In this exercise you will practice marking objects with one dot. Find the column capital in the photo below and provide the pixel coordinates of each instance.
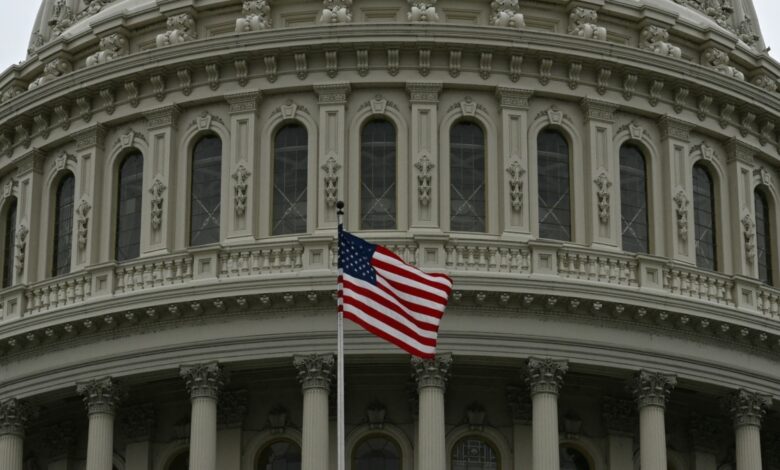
(545, 375)
(31, 162)
(652, 388)
(619, 416)
(432, 372)
(423, 92)
(138, 422)
(597, 110)
(203, 380)
(748, 408)
(739, 151)
(333, 93)
(513, 98)
(14, 415)
(100, 396)
(162, 117)
(90, 137)
(672, 128)
(315, 370)
(244, 102)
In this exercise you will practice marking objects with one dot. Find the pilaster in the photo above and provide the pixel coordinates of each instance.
(513, 200)
(29, 176)
(424, 155)
(332, 151)
(677, 189)
(90, 155)
(741, 207)
(243, 178)
(159, 226)
(431, 377)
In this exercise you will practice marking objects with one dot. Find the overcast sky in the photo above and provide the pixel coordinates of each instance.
(18, 16)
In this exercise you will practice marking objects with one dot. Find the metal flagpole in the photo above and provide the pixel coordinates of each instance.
(340, 354)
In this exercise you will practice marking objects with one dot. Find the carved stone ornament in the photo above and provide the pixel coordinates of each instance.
(516, 172)
(766, 82)
(257, 16)
(554, 115)
(14, 415)
(602, 193)
(652, 388)
(336, 11)
(582, 22)
(137, 422)
(203, 380)
(545, 375)
(157, 190)
(21, 247)
(181, 28)
(656, 39)
(748, 408)
(719, 60)
(747, 33)
(424, 168)
(378, 105)
(82, 222)
(111, 47)
(475, 416)
(718, 10)
(277, 419)
(705, 150)
(331, 180)
(681, 211)
(62, 18)
(375, 415)
(53, 70)
(519, 402)
(315, 370)
(618, 415)
(231, 408)
(10, 93)
(431, 373)
(749, 234)
(506, 14)
(763, 176)
(100, 396)
(423, 11)
(241, 177)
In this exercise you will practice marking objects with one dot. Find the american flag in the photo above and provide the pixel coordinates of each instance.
(390, 298)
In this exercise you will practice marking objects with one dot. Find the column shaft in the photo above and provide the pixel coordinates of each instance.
(100, 446)
(315, 429)
(11, 446)
(748, 447)
(431, 429)
(652, 438)
(203, 434)
(545, 432)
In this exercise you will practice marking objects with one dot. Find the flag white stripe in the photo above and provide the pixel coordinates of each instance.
(391, 276)
(421, 317)
(389, 313)
(386, 329)
(400, 264)
(412, 299)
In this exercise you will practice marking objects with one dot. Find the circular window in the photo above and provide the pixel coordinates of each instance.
(280, 455)
(180, 462)
(376, 453)
(473, 453)
(573, 459)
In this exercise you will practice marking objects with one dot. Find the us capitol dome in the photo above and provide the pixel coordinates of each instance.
(599, 178)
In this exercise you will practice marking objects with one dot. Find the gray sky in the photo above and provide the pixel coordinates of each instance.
(19, 15)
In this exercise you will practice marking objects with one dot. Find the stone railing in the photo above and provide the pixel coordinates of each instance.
(59, 292)
(588, 265)
(241, 262)
(148, 274)
(698, 284)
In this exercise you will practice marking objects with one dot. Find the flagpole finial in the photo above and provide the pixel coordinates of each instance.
(340, 207)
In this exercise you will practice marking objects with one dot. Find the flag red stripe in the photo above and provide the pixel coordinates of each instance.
(374, 303)
(390, 325)
(394, 274)
(380, 333)
(426, 322)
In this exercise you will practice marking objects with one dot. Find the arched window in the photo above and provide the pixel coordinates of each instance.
(763, 237)
(467, 178)
(180, 462)
(9, 244)
(128, 214)
(63, 224)
(704, 218)
(280, 455)
(290, 180)
(473, 453)
(633, 200)
(205, 190)
(554, 191)
(378, 176)
(376, 453)
(573, 459)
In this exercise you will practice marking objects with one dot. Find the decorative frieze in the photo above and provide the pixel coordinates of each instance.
(656, 39)
(100, 396)
(181, 28)
(241, 178)
(748, 408)
(431, 372)
(203, 380)
(422, 11)
(336, 11)
(14, 416)
(257, 16)
(52, 71)
(315, 371)
(652, 388)
(506, 14)
(112, 47)
(582, 22)
(545, 375)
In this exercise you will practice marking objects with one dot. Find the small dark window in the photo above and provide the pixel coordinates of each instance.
(763, 237)
(206, 185)
(376, 453)
(467, 178)
(128, 214)
(573, 459)
(378, 176)
(704, 218)
(290, 180)
(63, 224)
(554, 189)
(633, 200)
(473, 453)
(9, 244)
(280, 455)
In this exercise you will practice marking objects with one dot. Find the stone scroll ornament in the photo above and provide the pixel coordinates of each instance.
(506, 14)
(602, 193)
(582, 22)
(157, 190)
(111, 47)
(181, 28)
(424, 178)
(422, 11)
(516, 172)
(21, 247)
(257, 16)
(336, 11)
(82, 222)
(331, 180)
(241, 176)
(681, 210)
(656, 39)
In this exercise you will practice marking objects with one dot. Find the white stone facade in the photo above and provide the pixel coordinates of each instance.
(219, 350)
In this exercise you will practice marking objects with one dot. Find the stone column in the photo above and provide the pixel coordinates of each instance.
(315, 372)
(619, 419)
(241, 214)
(332, 150)
(138, 427)
(100, 397)
(431, 376)
(545, 377)
(14, 415)
(204, 382)
(651, 390)
(677, 195)
(747, 409)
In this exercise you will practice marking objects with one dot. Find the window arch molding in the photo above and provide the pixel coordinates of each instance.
(263, 439)
(492, 211)
(720, 190)
(187, 143)
(489, 434)
(390, 431)
(272, 125)
(64, 165)
(404, 167)
(587, 448)
(111, 191)
(772, 197)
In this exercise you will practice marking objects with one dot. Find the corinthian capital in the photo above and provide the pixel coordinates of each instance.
(315, 370)
(14, 415)
(203, 380)
(652, 388)
(432, 372)
(748, 408)
(545, 375)
(100, 396)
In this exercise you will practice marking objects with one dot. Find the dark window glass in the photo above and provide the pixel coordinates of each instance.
(180, 462)
(280, 455)
(467, 178)
(290, 179)
(205, 191)
(572, 459)
(377, 176)
(554, 196)
(376, 453)
(63, 224)
(128, 214)
(704, 218)
(633, 200)
(473, 453)
(9, 248)
(763, 238)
